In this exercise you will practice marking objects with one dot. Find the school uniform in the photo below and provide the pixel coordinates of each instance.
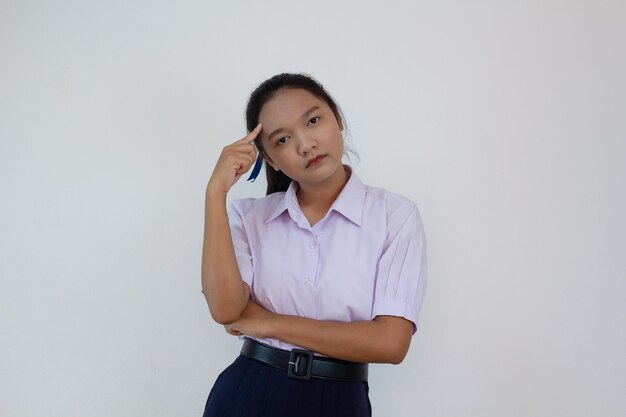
(365, 258)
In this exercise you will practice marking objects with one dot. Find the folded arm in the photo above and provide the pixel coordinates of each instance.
(385, 339)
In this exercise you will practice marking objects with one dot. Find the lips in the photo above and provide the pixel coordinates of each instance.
(315, 160)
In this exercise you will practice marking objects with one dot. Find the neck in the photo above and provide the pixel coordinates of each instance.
(323, 195)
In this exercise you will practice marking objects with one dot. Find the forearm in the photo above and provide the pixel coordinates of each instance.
(383, 340)
(223, 288)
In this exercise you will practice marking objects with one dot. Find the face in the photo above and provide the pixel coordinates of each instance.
(301, 137)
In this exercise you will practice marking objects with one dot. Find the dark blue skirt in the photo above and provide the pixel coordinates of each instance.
(249, 388)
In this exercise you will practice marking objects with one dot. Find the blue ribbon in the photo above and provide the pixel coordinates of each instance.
(256, 169)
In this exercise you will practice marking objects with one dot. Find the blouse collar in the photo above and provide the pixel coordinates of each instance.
(348, 203)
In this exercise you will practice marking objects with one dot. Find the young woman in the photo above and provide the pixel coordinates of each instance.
(323, 275)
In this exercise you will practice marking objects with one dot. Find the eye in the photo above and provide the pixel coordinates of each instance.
(314, 120)
(281, 140)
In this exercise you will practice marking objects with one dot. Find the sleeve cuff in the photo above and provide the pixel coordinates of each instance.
(395, 308)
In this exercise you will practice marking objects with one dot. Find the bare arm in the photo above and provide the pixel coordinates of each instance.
(224, 290)
(222, 286)
(385, 339)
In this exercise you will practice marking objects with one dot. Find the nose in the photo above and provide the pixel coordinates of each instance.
(306, 144)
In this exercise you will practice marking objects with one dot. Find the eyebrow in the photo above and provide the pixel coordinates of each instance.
(304, 115)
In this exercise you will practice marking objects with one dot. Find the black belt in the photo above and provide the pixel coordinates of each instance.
(302, 364)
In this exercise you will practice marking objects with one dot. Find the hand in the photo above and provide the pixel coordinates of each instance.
(254, 321)
(235, 160)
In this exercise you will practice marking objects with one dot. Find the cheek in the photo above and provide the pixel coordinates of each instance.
(277, 158)
(335, 136)
(271, 152)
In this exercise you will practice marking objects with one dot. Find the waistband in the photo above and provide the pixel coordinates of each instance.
(303, 364)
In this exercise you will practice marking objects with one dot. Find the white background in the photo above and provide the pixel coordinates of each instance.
(504, 120)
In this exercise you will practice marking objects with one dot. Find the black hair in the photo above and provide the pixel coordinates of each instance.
(277, 180)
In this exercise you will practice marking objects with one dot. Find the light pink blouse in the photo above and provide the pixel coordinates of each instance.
(365, 258)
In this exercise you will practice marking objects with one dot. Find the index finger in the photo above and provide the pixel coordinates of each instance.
(252, 135)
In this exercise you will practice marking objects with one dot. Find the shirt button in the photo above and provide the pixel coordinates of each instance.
(312, 245)
(307, 281)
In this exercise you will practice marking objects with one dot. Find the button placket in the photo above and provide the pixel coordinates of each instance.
(313, 259)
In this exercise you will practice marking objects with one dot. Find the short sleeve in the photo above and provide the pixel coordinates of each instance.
(402, 268)
(243, 250)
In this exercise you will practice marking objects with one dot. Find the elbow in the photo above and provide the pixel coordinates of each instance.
(390, 351)
(395, 353)
(395, 350)
(224, 318)
(396, 356)
(224, 315)
(221, 313)
(394, 345)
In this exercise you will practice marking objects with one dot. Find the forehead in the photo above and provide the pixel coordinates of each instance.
(287, 106)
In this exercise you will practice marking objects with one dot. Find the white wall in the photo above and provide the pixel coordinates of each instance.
(504, 120)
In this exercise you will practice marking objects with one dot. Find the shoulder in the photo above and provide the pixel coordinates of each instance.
(246, 207)
(391, 203)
